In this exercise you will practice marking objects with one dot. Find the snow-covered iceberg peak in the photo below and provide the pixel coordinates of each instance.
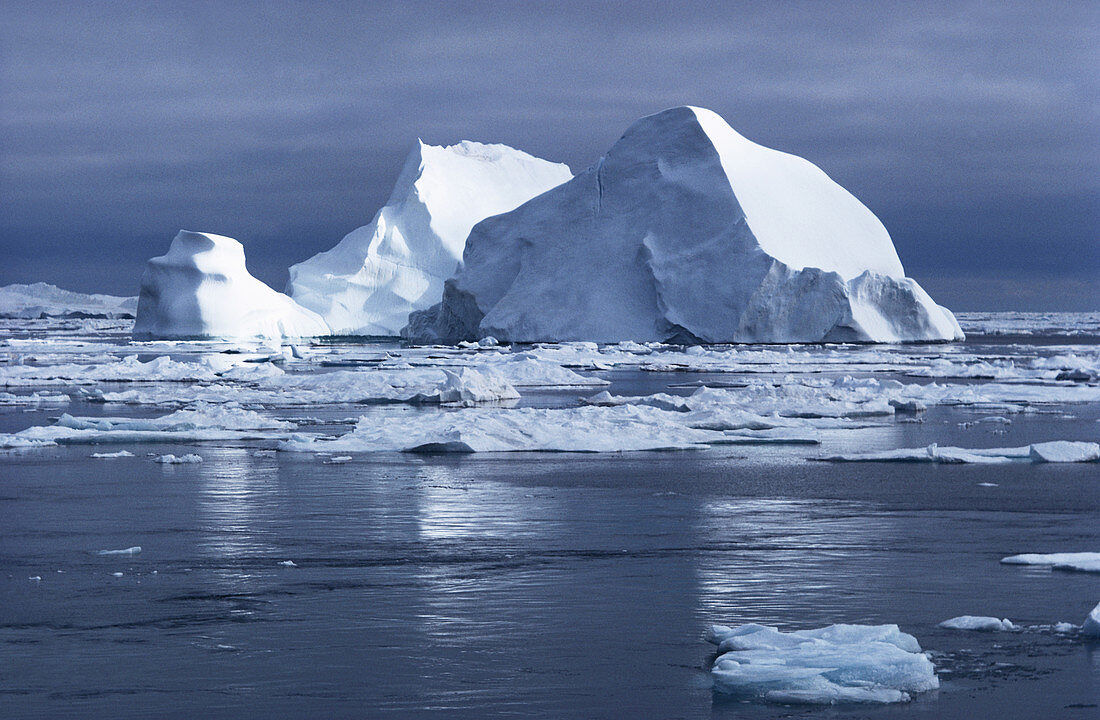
(201, 288)
(370, 282)
(686, 231)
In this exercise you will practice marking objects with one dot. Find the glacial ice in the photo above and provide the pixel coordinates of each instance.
(1079, 561)
(685, 231)
(826, 666)
(979, 623)
(169, 459)
(111, 455)
(41, 299)
(370, 282)
(201, 289)
(1091, 626)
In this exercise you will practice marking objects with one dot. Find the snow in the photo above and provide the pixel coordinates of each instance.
(979, 623)
(41, 299)
(825, 666)
(685, 232)
(370, 282)
(1091, 626)
(1056, 451)
(1080, 561)
(201, 289)
(178, 460)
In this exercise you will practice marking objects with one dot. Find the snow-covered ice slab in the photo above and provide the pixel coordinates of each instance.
(202, 423)
(685, 231)
(586, 429)
(41, 299)
(370, 282)
(979, 623)
(201, 289)
(1056, 451)
(1079, 561)
(826, 666)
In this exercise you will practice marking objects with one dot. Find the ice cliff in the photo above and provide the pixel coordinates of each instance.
(370, 282)
(201, 288)
(685, 231)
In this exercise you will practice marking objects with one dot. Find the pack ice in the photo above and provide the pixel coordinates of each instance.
(201, 288)
(685, 231)
(370, 282)
(44, 300)
(829, 665)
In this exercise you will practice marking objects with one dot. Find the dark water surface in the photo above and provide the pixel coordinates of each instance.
(520, 585)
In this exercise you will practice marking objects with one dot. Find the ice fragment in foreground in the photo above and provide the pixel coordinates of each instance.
(834, 664)
(1091, 626)
(1081, 561)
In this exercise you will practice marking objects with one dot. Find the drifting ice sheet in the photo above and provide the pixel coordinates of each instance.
(687, 232)
(39, 299)
(979, 623)
(1058, 451)
(835, 664)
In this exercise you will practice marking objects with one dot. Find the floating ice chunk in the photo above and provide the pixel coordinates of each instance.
(1064, 628)
(117, 574)
(34, 399)
(1080, 561)
(1063, 451)
(288, 563)
(1091, 626)
(35, 578)
(180, 460)
(979, 623)
(585, 429)
(135, 550)
(338, 460)
(112, 455)
(201, 288)
(691, 233)
(467, 387)
(370, 282)
(1058, 451)
(830, 665)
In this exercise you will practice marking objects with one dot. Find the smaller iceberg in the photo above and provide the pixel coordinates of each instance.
(40, 299)
(979, 623)
(1091, 626)
(1079, 561)
(201, 288)
(826, 666)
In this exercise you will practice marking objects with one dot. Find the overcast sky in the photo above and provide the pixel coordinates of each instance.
(971, 130)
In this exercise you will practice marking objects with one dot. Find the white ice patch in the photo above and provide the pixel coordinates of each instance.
(830, 665)
(979, 623)
(135, 550)
(1079, 561)
(111, 455)
(170, 459)
(586, 429)
(1057, 451)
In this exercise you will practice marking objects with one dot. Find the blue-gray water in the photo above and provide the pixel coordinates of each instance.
(528, 585)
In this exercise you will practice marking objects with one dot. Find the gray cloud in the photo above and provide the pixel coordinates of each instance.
(972, 129)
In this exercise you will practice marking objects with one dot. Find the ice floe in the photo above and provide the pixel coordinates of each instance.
(1079, 561)
(979, 623)
(111, 455)
(41, 299)
(1060, 451)
(830, 665)
(135, 550)
(171, 459)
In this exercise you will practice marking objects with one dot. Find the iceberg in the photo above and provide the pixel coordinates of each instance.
(201, 289)
(40, 299)
(370, 282)
(1091, 626)
(826, 666)
(685, 232)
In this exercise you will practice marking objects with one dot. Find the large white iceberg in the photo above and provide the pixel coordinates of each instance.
(41, 299)
(201, 288)
(685, 231)
(835, 664)
(370, 282)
